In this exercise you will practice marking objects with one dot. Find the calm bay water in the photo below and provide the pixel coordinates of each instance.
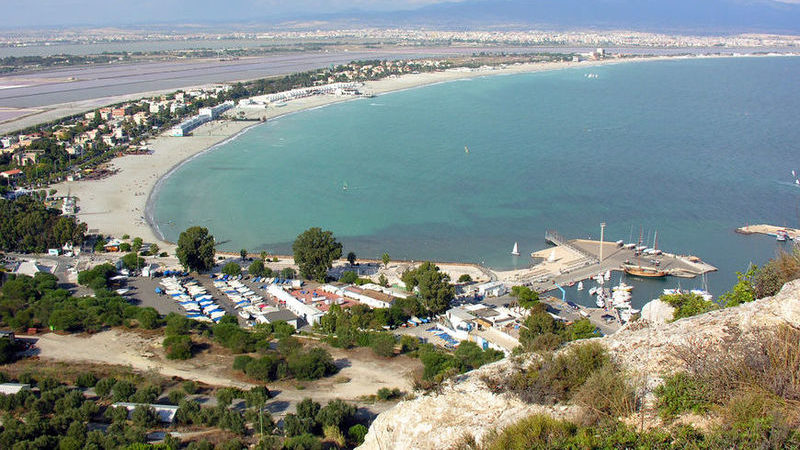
(691, 148)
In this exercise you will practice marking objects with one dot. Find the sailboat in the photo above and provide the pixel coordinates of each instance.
(580, 285)
(466, 149)
(344, 186)
(515, 251)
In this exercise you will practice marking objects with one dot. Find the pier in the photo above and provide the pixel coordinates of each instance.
(769, 230)
(570, 261)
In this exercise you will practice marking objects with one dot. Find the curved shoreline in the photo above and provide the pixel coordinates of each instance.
(148, 209)
(113, 207)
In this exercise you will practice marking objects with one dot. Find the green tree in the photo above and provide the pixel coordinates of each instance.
(196, 249)
(137, 243)
(288, 273)
(232, 269)
(742, 291)
(434, 287)
(132, 261)
(314, 253)
(336, 413)
(526, 297)
(154, 249)
(351, 258)
(311, 365)
(383, 344)
(178, 347)
(383, 281)
(243, 254)
(465, 278)
(348, 277)
(357, 433)
(385, 258)
(687, 305)
(257, 268)
(144, 416)
(148, 318)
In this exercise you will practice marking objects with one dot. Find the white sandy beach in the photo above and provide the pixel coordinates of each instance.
(115, 206)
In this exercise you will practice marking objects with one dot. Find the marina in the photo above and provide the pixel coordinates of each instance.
(568, 262)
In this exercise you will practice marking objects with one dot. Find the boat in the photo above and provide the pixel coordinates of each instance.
(622, 286)
(593, 290)
(344, 186)
(466, 149)
(607, 275)
(580, 285)
(515, 251)
(781, 235)
(601, 301)
(643, 271)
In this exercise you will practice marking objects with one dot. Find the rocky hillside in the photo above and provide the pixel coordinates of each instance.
(468, 407)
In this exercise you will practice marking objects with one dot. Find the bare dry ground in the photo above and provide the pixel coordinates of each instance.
(361, 375)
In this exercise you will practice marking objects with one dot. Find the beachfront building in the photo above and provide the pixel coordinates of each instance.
(206, 115)
(185, 127)
(326, 89)
(215, 111)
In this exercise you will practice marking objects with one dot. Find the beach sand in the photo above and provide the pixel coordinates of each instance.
(116, 205)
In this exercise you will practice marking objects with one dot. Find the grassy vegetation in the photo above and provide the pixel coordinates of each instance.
(688, 304)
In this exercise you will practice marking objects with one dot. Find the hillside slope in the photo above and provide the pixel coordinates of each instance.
(468, 406)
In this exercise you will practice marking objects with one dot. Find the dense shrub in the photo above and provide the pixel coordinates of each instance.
(311, 365)
(178, 347)
(557, 377)
(356, 433)
(687, 305)
(681, 393)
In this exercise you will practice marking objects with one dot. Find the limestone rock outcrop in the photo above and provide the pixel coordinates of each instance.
(468, 405)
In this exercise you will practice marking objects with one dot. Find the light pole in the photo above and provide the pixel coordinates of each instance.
(602, 231)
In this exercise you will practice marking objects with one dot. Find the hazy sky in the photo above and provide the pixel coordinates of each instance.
(49, 13)
(29, 13)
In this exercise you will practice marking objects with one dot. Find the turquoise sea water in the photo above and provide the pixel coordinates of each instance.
(691, 148)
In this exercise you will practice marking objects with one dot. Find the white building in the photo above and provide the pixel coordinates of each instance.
(307, 312)
(13, 388)
(166, 413)
(215, 111)
(492, 289)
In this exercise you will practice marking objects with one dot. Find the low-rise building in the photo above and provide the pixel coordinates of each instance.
(166, 413)
(492, 289)
(13, 388)
(309, 313)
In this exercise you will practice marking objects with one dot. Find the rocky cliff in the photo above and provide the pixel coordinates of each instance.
(468, 407)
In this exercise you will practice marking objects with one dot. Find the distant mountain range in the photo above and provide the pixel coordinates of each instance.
(690, 16)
